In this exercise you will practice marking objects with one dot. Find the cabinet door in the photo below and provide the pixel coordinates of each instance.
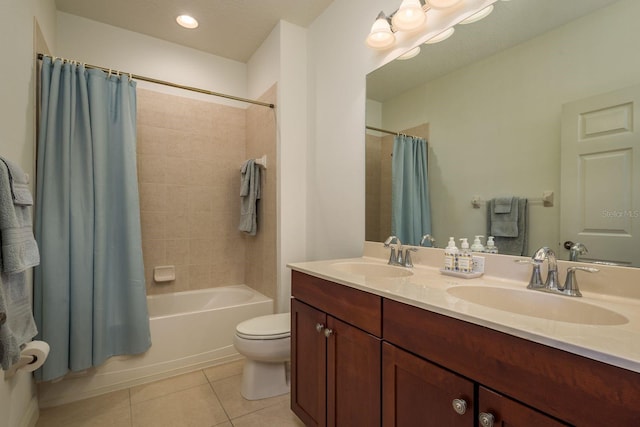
(308, 364)
(497, 410)
(353, 376)
(419, 393)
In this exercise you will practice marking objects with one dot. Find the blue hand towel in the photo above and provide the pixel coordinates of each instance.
(249, 196)
(504, 222)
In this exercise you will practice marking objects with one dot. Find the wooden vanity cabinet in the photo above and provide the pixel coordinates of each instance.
(336, 353)
(551, 384)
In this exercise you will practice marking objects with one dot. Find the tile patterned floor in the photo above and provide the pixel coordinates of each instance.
(205, 398)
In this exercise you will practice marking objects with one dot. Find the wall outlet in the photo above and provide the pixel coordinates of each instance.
(478, 264)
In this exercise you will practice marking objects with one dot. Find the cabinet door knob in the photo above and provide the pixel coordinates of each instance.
(486, 419)
(460, 406)
(319, 327)
(328, 332)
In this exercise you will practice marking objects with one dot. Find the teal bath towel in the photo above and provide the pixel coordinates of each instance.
(249, 196)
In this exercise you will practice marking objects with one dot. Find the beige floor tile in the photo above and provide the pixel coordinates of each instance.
(278, 415)
(170, 385)
(112, 409)
(227, 370)
(193, 407)
(228, 391)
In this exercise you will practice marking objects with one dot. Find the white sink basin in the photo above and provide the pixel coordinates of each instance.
(372, 270)
(538, 304)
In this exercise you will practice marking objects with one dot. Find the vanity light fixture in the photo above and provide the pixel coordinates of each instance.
(478, 15)
(410, 54)
(409, 17)
(417, 18)
(381, 37)
(442, 4)
(187, 21)
(442, 36)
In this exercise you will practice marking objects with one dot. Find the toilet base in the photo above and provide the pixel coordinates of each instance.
(261, 380)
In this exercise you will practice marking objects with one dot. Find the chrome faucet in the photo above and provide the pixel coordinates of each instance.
(552, 275)
(428, 238)
(395, 257)
(570, 286)
(576, 250)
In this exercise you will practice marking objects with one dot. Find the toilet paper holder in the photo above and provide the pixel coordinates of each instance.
(32, 356)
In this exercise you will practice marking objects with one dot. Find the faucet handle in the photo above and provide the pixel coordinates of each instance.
(535, 282)
(571, 283)
(407, 257)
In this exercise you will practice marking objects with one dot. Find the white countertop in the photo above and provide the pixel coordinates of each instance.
(617, 345)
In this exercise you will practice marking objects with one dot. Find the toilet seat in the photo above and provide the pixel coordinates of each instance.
(270, 327)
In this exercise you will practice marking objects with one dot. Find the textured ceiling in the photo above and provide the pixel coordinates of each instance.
(231, 29)
(511, 23)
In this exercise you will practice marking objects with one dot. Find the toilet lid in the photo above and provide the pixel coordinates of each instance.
(272, 326)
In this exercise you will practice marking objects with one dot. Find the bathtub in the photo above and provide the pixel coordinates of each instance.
(189, 331)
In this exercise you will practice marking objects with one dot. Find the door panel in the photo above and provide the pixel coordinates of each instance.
(509, 413)
(353, 376)
(419, 393)
(308, 364)
(600, 176)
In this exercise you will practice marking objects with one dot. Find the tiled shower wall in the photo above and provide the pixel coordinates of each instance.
(189, 158)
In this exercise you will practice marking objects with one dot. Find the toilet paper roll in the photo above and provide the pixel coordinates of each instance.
(33, 355)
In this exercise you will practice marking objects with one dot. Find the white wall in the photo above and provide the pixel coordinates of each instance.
(18, 402)
(108, 46)
(500, 117)
(338, 64)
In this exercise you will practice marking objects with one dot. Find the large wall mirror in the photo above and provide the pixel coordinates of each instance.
(490, 101)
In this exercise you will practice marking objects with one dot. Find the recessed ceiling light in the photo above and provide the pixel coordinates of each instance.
(187, 21)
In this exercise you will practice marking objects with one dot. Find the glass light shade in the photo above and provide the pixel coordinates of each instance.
(409, 16)
(442, 4)
(410, 54)
(187, 21)
(478, 15)
(381, 37)
(442, 36)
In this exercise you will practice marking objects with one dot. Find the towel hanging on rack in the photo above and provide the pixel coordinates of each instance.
(250, 193)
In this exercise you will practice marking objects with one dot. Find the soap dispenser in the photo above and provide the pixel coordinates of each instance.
(477, 245)
(450, 255)
(491, 247)
(465, 259)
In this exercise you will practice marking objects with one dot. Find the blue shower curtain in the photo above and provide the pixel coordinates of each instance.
(89, 290)
(410, 211)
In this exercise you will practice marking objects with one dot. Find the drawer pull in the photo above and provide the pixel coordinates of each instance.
(460, 406)
(486, 419)
(328, 332)
(319, 327)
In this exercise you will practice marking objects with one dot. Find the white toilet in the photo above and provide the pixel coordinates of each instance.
(266, 343)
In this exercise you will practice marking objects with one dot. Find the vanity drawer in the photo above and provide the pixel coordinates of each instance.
(575, 389)
(361, 309)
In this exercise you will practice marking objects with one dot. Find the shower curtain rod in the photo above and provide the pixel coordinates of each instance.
(165, 83)
(390, 132)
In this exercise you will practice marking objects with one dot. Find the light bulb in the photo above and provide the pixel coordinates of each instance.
(187, 21)
(381, 37)
(478, 15)
(409, 17)
(409, 54)
(442, 36)
(442, 4)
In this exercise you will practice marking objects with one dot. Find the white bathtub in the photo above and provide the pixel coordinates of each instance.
(189, 330)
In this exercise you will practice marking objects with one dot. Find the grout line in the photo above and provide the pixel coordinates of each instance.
(130, 407)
